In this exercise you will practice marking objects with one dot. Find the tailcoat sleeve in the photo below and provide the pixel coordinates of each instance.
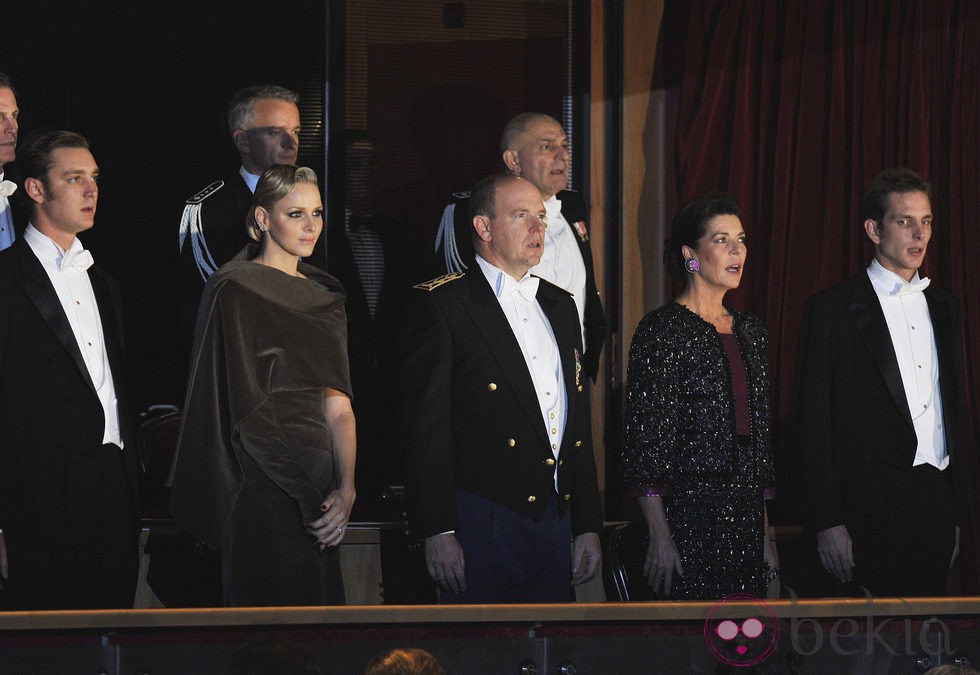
(816, 469)
(652, 410)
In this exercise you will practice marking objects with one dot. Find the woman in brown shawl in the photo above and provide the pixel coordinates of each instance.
(265, 461)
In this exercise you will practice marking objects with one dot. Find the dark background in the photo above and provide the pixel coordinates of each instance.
(148, 85)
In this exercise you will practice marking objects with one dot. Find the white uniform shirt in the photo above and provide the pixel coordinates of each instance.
(561, 262)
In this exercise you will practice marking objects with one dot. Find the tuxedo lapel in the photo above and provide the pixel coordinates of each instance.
(941, 325)
(571, 363)
(492, 324)
(38, 288)
(943, 330)
(109, 315)
(865, 311)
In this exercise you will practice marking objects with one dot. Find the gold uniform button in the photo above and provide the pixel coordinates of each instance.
(549, 462)
(561, 462)
(492, 386)
(580, 387)
(568, 498)
(578, 444)
(532, 499)
(511, 442)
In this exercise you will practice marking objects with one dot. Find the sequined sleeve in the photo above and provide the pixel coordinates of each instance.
(650, 429)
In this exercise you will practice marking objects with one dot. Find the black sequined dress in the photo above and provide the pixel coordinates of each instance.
(681, 444)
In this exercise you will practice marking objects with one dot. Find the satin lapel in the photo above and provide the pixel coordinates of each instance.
(865, 311)
(492, 324)
(111, 330)
(942, 331)
(39, 289)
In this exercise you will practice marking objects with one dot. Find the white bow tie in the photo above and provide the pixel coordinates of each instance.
(527, 288)
(80, 260)
(7, 188)
(910, 288)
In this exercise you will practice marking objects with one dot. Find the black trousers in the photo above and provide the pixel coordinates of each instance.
(904, 536)
(87, 557)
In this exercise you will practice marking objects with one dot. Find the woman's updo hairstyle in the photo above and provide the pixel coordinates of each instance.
(276, 182)
(690, 224)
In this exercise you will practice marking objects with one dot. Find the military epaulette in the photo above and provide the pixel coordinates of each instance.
(439, 281)
(206, 192)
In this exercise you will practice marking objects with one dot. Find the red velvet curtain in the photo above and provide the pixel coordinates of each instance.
(793, 107)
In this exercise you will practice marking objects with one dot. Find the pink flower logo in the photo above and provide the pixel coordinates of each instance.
(742, 641)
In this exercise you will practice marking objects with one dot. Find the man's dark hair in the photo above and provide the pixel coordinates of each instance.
(5, 83)
(34, 157)
(483, 197)
(898, 180)
(690, 224)
(485, 193)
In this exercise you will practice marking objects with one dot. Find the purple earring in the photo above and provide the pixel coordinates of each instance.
(692, 265)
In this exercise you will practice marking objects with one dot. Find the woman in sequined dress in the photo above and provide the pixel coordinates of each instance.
(697, 453)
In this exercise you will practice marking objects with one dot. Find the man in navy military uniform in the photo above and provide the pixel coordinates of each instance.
(264, 125)
(500, 473)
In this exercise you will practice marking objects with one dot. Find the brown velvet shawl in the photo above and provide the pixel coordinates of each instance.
(266, 346)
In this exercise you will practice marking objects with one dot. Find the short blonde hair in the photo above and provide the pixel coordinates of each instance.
(276, 182)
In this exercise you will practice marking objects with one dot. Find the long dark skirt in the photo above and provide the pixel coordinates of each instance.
(718, 529)
(268, 558)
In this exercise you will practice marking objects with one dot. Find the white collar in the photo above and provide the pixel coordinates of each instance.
(503, 283)
(887, 282)
(46, 249)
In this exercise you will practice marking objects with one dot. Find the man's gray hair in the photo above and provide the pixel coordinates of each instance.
(240, 107)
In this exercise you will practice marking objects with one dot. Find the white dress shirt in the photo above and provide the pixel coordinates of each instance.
(910, 326)
(561, 261)
(538, 345)
(74, 289)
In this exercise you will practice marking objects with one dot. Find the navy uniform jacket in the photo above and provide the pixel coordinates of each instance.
(470, 417)
(221, 208)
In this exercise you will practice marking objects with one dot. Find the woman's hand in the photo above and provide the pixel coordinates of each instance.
(771, 556)
(769, 553)
(328, 530)
(662, 562)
